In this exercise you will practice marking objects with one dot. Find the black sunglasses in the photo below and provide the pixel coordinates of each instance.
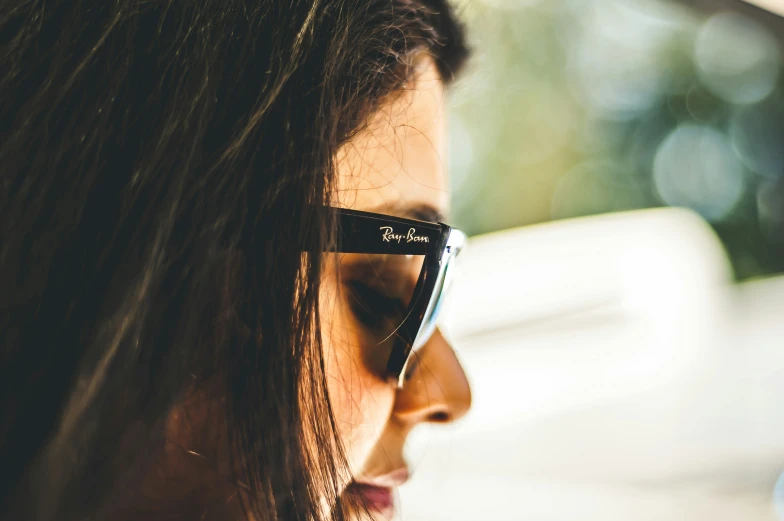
(402, 316)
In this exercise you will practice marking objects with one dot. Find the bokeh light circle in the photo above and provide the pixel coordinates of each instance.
(757, 134)
(696, 167)
(770, 203)
(621, 87)
(736, 58)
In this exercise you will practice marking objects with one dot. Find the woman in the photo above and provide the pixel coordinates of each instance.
(210, 309)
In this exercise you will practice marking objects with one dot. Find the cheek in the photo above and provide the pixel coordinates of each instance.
(361, 401)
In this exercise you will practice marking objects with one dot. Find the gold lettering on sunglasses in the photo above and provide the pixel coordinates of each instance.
(389, 235)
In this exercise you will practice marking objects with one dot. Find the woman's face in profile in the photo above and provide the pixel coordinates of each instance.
(396, 167)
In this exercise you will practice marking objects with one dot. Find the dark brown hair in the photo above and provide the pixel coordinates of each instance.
(140, 140)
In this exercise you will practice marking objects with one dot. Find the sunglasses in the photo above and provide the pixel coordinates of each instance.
(396, 271)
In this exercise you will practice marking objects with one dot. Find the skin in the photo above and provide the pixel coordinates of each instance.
(396, 166)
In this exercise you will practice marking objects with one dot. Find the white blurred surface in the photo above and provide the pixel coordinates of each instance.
(617, 375)
(774, 6)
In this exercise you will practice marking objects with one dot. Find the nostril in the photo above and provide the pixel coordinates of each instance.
(439, 417)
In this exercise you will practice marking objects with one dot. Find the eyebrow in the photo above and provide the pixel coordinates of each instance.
(418, 211)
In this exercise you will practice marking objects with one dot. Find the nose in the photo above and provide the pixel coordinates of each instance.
(437, 390)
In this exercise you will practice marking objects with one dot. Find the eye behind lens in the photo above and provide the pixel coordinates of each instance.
(373, 308)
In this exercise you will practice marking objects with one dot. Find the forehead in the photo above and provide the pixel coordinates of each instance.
(398, 161)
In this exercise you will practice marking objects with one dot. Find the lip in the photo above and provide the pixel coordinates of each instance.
(376, 499)
(377, 491)
(390, 480)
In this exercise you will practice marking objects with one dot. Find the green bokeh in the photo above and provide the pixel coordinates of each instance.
(565, 106)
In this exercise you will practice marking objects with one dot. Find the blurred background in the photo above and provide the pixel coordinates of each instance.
(619, 165)
(581, 107)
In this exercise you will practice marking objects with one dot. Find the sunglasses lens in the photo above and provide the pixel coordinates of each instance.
(431, 316)
(373, 294)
